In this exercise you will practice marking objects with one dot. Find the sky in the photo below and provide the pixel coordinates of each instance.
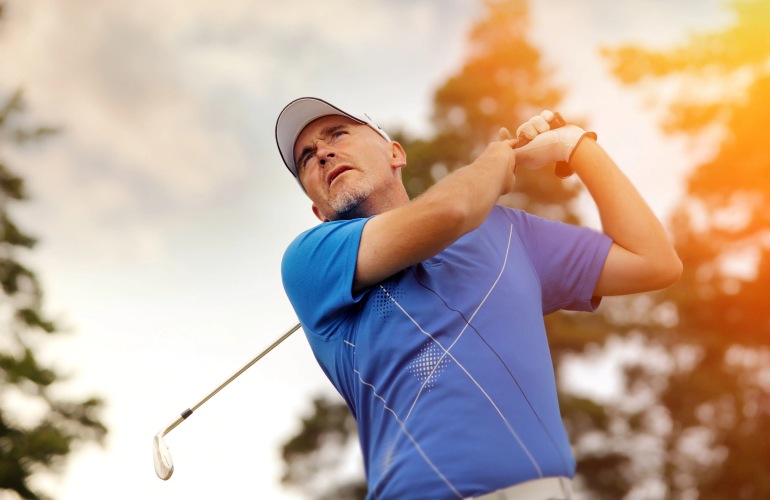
(163, 207)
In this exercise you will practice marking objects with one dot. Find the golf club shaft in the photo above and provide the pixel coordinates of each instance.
(221, 386)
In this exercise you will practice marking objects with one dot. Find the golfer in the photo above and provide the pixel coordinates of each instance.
(427, 314)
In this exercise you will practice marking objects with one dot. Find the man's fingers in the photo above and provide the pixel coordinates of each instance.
(540, 124)
(548, 115)
(504, 135)
(536, 125)
(526, 130)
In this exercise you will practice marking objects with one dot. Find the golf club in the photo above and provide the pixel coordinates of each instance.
(164, 467)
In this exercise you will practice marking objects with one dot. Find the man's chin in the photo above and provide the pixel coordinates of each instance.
(348, 204)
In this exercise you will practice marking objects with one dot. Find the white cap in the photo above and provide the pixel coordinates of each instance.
(298, 114)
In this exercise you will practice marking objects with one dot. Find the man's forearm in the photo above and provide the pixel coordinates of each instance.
(416, 231)
(648, 260)
(471, 191)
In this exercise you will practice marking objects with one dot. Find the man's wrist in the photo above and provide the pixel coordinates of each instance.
(563, 168)
(586, 135)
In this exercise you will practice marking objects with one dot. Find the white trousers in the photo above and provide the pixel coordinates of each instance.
(548, 488)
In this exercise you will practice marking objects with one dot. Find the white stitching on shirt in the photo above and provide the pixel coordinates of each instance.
(409, 435)
(447, 353)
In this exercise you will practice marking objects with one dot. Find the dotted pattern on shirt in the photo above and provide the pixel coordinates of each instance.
(428, 359)
(383, 303)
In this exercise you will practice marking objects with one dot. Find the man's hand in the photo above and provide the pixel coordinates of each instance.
(545, 145)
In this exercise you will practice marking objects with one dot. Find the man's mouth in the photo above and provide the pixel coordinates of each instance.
(336, 173)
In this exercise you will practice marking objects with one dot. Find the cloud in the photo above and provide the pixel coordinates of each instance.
(136, 144)
(167, 108)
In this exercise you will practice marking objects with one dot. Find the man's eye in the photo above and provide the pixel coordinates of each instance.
(302, 163)
(339, 133)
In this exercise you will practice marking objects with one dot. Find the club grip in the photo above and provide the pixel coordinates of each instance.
(558, 121)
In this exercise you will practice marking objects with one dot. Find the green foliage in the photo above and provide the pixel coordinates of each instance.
(501, 84)
(717, 397)
(320, 446)
(29, 445)
(14, 132)
(721, 60)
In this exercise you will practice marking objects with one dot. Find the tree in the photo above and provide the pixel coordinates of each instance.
(29, 445)
(714, 399)
(503, 82)
(325, 438)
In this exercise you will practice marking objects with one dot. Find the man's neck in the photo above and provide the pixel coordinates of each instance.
(376, 205)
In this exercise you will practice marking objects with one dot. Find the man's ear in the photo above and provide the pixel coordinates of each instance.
(318, 215)
(398, 155)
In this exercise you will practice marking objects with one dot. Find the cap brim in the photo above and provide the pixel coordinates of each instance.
(301, 112)
(294, 118)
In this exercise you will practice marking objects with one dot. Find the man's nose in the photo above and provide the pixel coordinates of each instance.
(324, 155)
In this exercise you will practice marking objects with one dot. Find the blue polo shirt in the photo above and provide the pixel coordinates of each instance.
(445, 365)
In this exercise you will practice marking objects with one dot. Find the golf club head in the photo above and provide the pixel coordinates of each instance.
(161, 457)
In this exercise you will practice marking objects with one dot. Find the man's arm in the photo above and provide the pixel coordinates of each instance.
(420, 229)
(641, 258)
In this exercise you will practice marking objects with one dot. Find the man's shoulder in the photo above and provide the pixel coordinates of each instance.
(503, 215)
(332, 229)
(321, 244)
(522, 220)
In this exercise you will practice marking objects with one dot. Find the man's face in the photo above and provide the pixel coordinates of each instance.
(340, 164)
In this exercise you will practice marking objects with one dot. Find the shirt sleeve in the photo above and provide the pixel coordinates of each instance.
(318, 269)
(567, 259)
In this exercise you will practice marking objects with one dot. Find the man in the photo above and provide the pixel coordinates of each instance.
(427, 314)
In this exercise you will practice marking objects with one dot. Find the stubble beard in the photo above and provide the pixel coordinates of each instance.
(348, 203)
